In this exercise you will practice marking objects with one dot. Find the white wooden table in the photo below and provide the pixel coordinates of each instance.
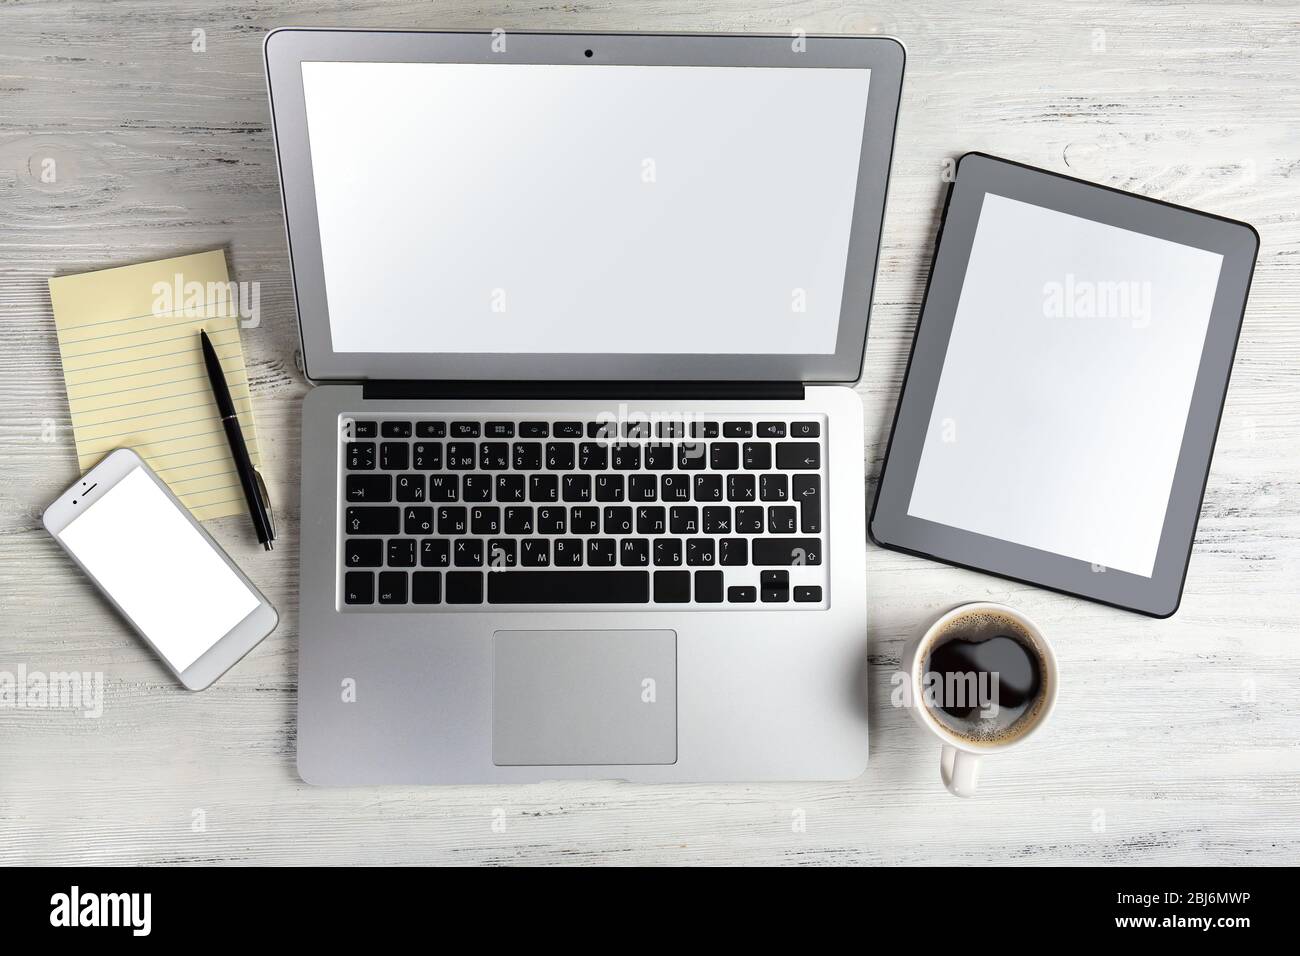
(1174, 741)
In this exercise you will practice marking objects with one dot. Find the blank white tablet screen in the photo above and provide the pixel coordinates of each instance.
(165, 577)
(1064, 394)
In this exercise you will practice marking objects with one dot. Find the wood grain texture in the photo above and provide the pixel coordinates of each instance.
(1174, 741)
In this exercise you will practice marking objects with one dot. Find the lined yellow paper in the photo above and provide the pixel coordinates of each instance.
(135, 376)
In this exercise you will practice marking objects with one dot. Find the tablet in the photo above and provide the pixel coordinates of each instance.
(1065, 385)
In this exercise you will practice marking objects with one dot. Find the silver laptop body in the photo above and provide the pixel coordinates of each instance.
(582, 486)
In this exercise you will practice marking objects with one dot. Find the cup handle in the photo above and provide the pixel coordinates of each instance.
(960, 770)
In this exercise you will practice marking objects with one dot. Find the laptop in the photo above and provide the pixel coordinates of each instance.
(582, 472)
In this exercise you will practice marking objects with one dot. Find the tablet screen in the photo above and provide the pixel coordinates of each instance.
(1064, 395)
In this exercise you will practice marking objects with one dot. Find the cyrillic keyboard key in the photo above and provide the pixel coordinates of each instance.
(609, 487)
(601, 552)
(786, 552)
(569, 587)
(699, 551)
(417, 521)
(668, 552)
(510, 488)
(717, 520)
(684, 519)
(410, 488)
(708, 487)
(467, 553)
(584, 520)
(477, 488)
(673, 487)
(503, 553)
(535, 553)
(485, 521)
(773, 487)
(642, 488)
(749, 520)
(435, 553)
(452, 521)
(444, 487)
(519, 521)
(781, 519)
(567, 553)
(634, 552)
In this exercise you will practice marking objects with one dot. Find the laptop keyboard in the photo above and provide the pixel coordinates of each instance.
(495, 512)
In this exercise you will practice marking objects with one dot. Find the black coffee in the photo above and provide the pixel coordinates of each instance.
(984, 677)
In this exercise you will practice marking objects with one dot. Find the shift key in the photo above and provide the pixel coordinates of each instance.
(372, 520)
(785, 552)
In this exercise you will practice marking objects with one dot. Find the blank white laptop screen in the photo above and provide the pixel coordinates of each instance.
(620, 209)
(1065, 390)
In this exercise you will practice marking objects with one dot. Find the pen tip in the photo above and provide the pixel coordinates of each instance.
(268, 545)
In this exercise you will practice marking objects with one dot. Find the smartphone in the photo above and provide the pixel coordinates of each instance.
(160, 569)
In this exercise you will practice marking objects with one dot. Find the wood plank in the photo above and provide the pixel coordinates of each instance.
(1174, 741)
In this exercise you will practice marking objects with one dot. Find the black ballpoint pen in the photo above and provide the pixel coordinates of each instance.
(259, 505)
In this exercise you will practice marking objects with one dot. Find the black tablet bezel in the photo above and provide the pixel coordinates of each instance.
(892, 527)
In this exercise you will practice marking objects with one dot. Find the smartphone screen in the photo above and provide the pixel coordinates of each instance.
(171, 583)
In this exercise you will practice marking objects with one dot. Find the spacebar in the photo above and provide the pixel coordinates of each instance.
(568, 587)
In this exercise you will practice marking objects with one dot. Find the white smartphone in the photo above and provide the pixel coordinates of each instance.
(160, 569)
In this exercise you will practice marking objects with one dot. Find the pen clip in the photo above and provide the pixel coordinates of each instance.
(266, 500)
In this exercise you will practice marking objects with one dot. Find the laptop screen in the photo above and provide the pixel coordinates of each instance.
(518, 208)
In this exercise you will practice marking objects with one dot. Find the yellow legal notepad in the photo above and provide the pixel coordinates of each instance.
(129, 339)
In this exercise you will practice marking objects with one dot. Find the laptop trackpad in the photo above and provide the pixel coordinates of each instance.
(584, 697)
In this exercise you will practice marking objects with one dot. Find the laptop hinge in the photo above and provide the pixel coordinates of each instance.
(427, 390)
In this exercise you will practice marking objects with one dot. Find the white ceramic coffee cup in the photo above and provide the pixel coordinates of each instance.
(959, 760)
